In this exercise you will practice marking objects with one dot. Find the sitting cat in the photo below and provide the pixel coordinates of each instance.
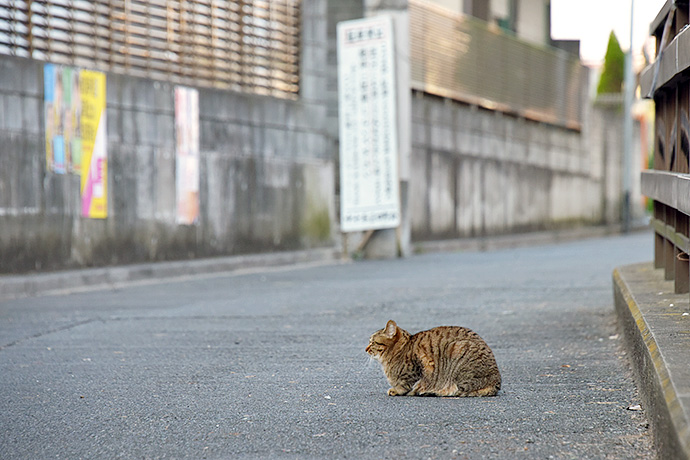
(443, 361)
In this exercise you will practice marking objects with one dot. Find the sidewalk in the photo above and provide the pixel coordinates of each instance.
(656, 327)
(514, 240)
(65, 281)
(60, 282)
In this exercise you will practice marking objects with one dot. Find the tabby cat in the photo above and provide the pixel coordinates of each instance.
(443, 361)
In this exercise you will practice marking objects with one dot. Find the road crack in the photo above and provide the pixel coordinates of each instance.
(48, 332)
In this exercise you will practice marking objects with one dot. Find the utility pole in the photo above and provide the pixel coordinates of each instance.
(628, 129)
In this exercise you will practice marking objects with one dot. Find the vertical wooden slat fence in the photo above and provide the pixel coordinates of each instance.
(458, 57)
(250, 45)
(668, 184)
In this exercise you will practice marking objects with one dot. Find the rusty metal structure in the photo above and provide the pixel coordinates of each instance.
(249, 45)
(668, 184)
(461, 58)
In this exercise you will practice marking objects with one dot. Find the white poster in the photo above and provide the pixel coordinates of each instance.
(187, 158)
(369, 197)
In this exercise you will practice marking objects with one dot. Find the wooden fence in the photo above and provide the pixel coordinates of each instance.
(459, 57)
(668, 184)
(247, 45)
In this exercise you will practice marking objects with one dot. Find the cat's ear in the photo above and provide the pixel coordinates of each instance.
(391, 329)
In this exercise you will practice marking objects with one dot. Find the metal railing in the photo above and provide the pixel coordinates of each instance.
(248, 45)
(459, 57)
(669, 183)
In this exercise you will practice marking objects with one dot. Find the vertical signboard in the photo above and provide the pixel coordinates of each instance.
(369, 197)
(94, 155)
(187, 157)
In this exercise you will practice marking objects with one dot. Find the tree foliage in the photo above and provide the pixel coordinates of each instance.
(611, 80)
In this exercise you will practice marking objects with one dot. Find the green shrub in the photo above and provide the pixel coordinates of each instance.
(611, 80)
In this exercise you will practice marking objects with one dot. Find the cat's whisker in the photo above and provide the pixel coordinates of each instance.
(368, 362)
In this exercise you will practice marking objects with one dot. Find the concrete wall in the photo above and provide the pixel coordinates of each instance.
(267, 171)
(268, 167)
(533, 21)
(605, 144)
(341, 10)
(477, 172)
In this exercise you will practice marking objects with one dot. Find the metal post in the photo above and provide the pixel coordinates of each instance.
(628, 129)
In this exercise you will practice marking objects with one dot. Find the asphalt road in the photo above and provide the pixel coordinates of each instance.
(271, 364)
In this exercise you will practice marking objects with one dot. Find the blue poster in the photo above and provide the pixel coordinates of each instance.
(54, 117)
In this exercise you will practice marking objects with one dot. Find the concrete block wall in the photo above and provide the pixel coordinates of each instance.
(341, 10)
(266, 171)
(605, 125)
(269, 167)
(479, 172)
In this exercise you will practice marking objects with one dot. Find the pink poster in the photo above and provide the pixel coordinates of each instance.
(187, 157)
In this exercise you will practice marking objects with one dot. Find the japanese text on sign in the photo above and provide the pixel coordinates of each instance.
(369, 197)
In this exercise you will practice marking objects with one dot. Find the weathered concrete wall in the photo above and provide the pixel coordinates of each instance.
(605, 148)
(341, 10)
(269, 167)
(479, 172)
(267, 171)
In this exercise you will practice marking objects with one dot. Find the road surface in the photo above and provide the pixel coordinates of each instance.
(271, 364)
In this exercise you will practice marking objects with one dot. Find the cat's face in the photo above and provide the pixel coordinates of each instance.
(381, 340)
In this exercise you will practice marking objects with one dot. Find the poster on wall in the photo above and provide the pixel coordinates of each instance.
(187, 154)
(94, 155)
(75, 132)
(62, 110)
(369, 196)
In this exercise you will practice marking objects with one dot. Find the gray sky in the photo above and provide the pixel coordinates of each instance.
(591, 21)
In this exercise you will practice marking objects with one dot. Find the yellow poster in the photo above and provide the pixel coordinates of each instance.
(94, 165)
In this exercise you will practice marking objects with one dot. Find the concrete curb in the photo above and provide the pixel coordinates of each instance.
(657, 336)
(63, 282)
(515, 240)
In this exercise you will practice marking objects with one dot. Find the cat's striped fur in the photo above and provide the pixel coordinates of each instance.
(443, 361)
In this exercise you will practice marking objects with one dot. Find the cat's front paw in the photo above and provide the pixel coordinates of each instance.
(394, 392)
